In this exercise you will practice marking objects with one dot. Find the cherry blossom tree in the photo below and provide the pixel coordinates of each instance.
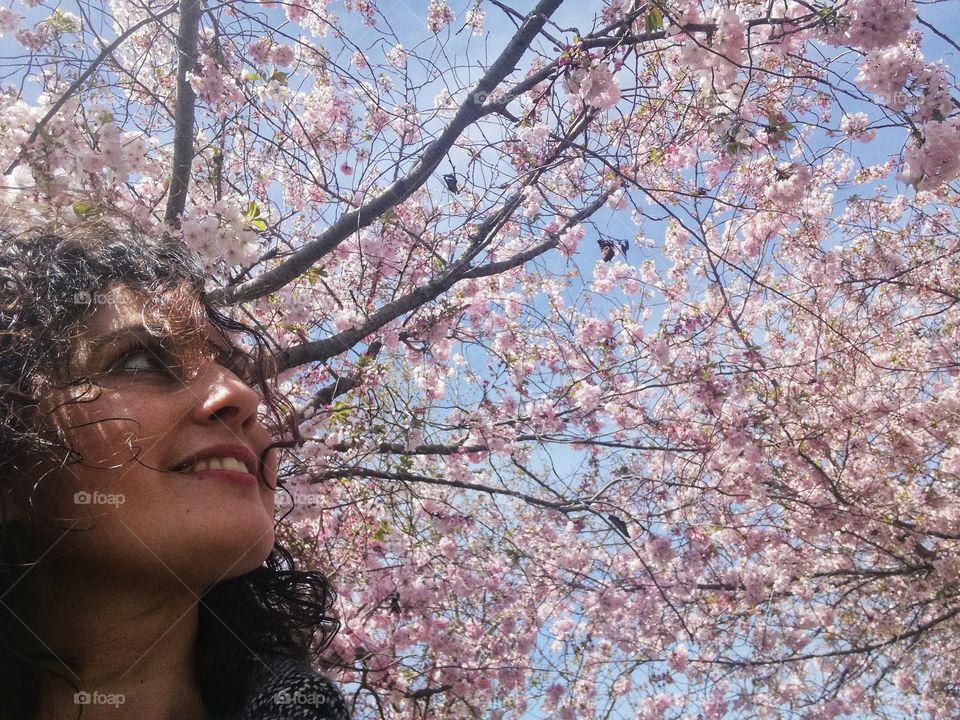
(624, 337)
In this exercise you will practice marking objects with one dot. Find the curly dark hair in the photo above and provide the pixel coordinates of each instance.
(48, 286)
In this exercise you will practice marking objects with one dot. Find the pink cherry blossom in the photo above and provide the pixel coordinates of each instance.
(439, 15)
(855, 125)
(934, 159)
(9, 21)
(259, 51)
(282, 55)
(596, 86)
(397, 56)
(475, 18)
(872, 24)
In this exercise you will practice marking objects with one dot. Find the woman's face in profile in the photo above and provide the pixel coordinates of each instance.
(166, 486)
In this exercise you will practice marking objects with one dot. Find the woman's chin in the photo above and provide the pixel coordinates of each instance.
(225, 556)
(251, 555)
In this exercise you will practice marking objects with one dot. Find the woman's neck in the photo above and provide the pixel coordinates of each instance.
(121, 651)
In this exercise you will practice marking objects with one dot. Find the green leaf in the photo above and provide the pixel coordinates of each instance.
(253, 217)
(654, 20)
(315, 273)
(829, 16)
(340, 411)
(60, 23)
(82, 207)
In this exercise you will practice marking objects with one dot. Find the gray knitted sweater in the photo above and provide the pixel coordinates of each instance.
(285, 689)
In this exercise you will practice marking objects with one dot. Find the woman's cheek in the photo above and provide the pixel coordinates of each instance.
(270, 465)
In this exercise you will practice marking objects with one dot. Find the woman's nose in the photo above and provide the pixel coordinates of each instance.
(224, 398)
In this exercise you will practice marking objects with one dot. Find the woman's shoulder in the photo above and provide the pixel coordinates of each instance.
(286, 689)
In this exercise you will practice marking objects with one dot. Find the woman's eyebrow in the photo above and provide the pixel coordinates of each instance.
(218, 343)
(211, 340)
(104, 341)
(93, 347)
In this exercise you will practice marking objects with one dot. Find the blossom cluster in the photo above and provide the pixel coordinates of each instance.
(934, 158)
(717, 63)
(594, 85)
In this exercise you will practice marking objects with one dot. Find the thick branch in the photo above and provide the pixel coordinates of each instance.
(187, 38)
(320, 350)
(341, 385)
(388, 448)
(427, 692)
(496, 268)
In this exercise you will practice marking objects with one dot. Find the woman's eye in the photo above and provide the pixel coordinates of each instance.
(142, 360)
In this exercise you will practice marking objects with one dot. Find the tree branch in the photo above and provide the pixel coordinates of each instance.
(320, 350)
(187, 39)
(563, 507)
(341, 386)
(495, 268)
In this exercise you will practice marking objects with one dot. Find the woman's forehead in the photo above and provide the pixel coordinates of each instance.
(121, 310)
(122, 306)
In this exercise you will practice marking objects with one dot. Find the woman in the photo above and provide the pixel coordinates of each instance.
(140, 576)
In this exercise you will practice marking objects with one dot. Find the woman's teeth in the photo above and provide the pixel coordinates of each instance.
(224, 463)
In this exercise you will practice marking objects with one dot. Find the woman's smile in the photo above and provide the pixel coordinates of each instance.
(233, 463)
